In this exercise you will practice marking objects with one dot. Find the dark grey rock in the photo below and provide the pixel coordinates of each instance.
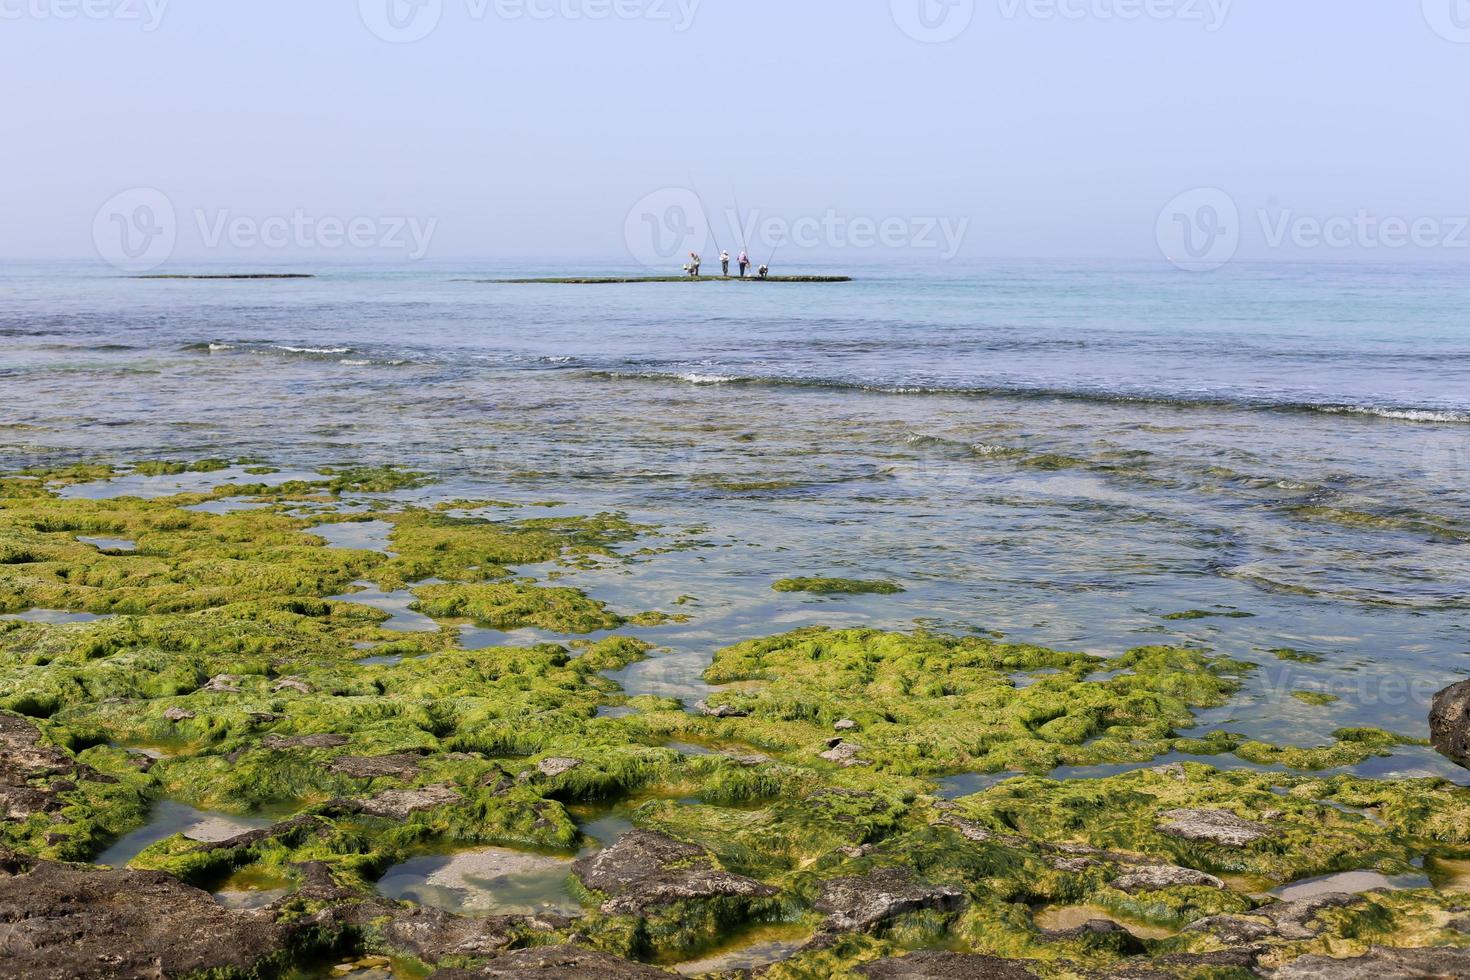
(1212, 826)
(1449, 723)
(644, 870)
(853, 904)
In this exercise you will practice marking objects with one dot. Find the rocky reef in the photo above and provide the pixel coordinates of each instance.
(319, 749)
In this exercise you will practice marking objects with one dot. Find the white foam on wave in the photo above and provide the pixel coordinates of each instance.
(1401, 414)
(313, 350)
(696, 378)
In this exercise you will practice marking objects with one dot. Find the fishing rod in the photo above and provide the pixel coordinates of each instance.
(740, 218)
(708, 224)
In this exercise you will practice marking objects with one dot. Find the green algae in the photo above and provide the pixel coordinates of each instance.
(927, 704)
(228, 655)
(1315, 698)
(836, 586)
(1297, 656)
(510, 606)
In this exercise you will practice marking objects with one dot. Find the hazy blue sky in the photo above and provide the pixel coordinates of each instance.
(503, 133)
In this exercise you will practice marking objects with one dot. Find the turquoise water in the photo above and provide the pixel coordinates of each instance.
(1065, 454)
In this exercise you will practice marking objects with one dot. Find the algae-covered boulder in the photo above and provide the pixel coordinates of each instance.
(1449, 723)
(866, 902)
(1215, 826)
(644, 870)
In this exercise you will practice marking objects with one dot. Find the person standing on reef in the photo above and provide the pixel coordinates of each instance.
(744, 263)
(694, 262)
(724, 263)
(765, 270)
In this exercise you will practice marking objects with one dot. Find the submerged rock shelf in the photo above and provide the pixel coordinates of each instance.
(613, 280)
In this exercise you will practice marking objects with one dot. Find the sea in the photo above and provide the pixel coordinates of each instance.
(1064, 453)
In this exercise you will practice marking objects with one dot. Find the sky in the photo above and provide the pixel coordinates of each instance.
(148, 132)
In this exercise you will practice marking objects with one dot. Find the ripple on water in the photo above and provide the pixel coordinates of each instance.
(492, 881)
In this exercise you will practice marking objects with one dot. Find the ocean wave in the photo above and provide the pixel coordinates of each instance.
(1286, 403)
(312, 350)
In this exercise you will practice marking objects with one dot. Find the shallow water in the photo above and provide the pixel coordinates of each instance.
(53, 617)
(1350, 883)
(403, 618)
(109, 544)
(492, 881)
(1067, 454)
(169, 818)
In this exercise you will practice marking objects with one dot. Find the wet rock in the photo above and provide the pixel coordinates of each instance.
(556, 963)
(844, 753)
(845, 725)
(223, 684)
(291, 684)
(433, 934)
(1213, 826)
(972, 831)
(747, 759)
(305, 741)
(945, 966)
(720, 711)
(1449, 723)
(177, 715)
(1164, 876)
(1279, 920)
(1230, 962)
(551, 768)
(59, 922)
(294, 830)
(376, 767)
(853, 904)
(33, 775)
(1091, 929)
(644, 870)
(1073, 865)
(400, 804)
(1382, 964)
